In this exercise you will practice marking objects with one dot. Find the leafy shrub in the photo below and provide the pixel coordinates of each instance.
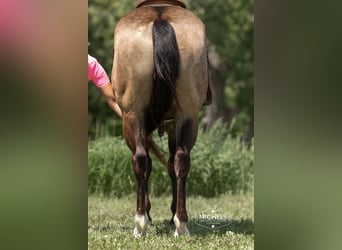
(219, 164)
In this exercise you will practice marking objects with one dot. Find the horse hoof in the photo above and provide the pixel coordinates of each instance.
(138, 234)
(183, 231)
(141, 222)
(181, 228)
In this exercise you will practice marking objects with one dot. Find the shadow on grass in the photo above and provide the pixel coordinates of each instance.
(242, 226)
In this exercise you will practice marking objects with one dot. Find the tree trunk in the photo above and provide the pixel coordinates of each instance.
(217, 109)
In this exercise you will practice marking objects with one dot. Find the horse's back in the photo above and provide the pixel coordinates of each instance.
(133, 62)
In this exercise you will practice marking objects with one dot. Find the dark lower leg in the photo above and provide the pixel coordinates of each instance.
(174, 192)
(147, 176)
(171, 171)
(182, 166)
(139, 163)
(181, 204)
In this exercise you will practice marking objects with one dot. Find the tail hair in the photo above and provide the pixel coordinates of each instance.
(165, 73)
(156, 150)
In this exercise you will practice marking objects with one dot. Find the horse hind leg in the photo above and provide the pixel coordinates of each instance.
(142, 217)
(171, 172)
(186, 137)
(147, 199)
(140, 162)
(182, 166)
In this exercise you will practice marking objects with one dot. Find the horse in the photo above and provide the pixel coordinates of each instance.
(160, 78)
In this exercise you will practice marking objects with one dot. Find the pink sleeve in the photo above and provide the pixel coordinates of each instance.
(96, 73)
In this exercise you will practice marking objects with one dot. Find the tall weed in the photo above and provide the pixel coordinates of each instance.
(220, 164)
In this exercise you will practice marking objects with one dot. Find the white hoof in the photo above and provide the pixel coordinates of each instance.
(181, 228)
(141, 222)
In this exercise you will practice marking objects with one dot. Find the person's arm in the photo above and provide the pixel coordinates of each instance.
(98, 76)
(108, 93)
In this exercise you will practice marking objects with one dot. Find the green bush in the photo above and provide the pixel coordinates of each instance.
(219, 164)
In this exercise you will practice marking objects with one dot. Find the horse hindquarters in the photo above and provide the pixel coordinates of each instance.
(148, 93)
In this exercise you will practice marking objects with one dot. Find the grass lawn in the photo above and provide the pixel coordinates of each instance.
(224, 222)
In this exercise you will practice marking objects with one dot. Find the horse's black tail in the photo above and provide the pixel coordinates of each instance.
(166, 71)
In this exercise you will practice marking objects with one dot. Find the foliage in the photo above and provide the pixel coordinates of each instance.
(109, 167)
(102, 18)
(103, 15)
(230, 31)
(110, 224)
(229, 26)
(219, 164)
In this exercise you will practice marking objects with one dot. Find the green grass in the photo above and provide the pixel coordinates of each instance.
(110, 223)
(220, 164)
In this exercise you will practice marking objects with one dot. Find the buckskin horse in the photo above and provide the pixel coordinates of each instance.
(160, 78)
